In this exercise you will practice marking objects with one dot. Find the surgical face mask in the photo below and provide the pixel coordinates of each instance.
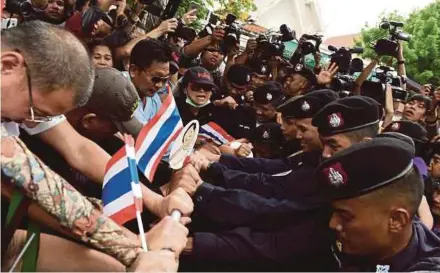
(190, 102)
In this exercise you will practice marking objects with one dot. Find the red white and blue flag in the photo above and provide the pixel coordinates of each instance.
(121, 194)
(117, 194)
(156, 136)
(214, 132)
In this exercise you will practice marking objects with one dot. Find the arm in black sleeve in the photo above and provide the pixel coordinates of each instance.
(289, 245)
(234, 208)
(292, 184)
(256, 165)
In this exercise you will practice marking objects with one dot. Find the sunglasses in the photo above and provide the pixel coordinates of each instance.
(157, 79)
(201, 87)
(34, 118)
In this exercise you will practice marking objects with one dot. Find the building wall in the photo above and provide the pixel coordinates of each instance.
(297, 14)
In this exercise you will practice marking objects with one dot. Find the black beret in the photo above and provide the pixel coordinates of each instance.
(300, 69)
(347, 114)
(239, 74)
(408, 128)
(364, 167)
(259, 67)
(269, 92)
(398, 136)
(423, 98)
(308, 105)
(268, 133)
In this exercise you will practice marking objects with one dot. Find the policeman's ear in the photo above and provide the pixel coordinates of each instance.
(89, 121)
(398, 219)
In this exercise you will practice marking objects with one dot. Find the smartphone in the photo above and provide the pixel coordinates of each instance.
(9, 23)
(193, 5)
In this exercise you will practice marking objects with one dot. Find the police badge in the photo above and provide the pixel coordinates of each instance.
(335, 120)
(266, 135)
(395, 126)
(305, 106)
(336, 175)
(269, 96)
(299, 67)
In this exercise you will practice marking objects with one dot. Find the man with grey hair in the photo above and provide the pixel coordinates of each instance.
(46, 72)
(48, 60)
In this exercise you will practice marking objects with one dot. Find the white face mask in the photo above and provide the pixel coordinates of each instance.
(190, 102)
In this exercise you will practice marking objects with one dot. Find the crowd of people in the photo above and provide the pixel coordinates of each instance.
(312, 180)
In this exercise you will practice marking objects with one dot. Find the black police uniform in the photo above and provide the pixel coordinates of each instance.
(282, 185)
(344, 176)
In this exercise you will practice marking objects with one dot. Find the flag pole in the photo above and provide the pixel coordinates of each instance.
(135, 187)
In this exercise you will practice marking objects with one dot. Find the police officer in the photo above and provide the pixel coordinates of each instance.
(236, 83)
(298, 81)
(268, 141)
(375, 191)
(261, 73)
(237, 117)
(265, 100)
(299, 114)
(419, 135)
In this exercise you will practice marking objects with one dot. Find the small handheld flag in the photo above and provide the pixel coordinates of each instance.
(214, 132)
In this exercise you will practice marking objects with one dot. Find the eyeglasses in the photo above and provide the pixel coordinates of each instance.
(34, 118)
(201, 87)
(157, 79)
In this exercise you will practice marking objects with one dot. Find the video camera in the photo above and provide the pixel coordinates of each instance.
(273, 45)
(389, 47)
(27, 9)
(344, 82)
(232, 31)
(307, 44)
(376, 88)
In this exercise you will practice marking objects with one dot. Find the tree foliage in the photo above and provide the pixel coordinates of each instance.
(422, 53)
(241, 8)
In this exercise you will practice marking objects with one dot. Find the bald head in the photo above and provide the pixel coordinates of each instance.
(55, 57)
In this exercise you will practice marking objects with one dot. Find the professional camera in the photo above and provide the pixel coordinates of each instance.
(307, 44)
(232, 31)
(27, 9)
(209, 28)
(182, 31)
(287, 34)
(342, 57)
(389, 47)
(267, 47)
(344, 82)
(273, 44)
(376, 88)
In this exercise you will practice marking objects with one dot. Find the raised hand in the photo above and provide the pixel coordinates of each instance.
(326, 75)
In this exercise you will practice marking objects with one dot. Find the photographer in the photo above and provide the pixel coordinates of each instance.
(210, 49)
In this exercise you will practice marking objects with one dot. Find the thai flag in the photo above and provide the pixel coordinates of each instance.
(157, 135)
(217, 134)
(117, 194)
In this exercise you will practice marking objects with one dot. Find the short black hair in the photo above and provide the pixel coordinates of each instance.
(148, 51)
(408, 190)
(358, 135)
(91, 46)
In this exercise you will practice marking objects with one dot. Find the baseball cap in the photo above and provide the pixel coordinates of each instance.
(198, 75)
(113, 96)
